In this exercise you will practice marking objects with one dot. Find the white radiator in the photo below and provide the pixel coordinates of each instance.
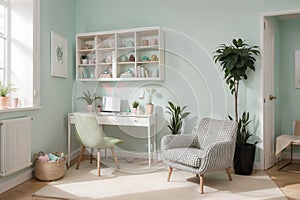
(15, 145)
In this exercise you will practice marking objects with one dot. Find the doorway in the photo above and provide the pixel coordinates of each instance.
(270, 91)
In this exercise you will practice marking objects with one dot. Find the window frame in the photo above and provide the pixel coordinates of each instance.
(35, 59)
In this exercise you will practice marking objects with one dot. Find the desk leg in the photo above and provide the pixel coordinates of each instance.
(149, 145)
(69, 142)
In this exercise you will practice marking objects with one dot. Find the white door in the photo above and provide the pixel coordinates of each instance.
(268, 69)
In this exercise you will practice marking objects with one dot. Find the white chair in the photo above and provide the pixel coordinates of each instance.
(285, 141)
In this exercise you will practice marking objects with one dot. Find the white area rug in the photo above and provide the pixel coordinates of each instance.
(138, 181)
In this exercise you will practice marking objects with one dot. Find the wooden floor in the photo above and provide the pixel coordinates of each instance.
(288, 180)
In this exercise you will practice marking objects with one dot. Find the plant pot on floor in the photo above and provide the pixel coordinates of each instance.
(244, 159)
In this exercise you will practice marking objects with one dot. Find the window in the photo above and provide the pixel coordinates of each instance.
(3, 38)
(19, 49)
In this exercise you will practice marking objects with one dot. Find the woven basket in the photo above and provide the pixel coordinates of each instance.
(49, 171)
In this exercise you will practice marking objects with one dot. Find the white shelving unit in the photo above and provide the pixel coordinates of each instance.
(121, 55)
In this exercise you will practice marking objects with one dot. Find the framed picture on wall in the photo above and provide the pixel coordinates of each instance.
(297, 69)
(59, 55)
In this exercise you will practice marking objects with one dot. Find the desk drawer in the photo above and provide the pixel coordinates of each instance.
(109, 120)
(135, 121)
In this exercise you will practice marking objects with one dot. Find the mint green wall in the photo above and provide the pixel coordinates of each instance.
(51, 120)
(287, 104)
(207, 23)
(201, 26)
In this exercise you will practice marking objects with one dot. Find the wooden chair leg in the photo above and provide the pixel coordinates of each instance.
(169, 174)
(201, 183)
(80, 156)
(115, 157)
(98, 161)
(91, 156)
(229, 174)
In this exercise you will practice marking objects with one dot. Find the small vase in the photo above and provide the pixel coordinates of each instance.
(149, 108)
(14, 102)
(89, 108)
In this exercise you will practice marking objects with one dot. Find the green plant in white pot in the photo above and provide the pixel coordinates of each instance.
(89, 99)
(135, 106)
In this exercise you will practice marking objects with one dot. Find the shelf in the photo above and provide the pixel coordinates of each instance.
(147, 47)
(106, 49)
(147, 62)
(114, 51)
(86, 50)
(104, 64)
(86, 65)
(125, 63)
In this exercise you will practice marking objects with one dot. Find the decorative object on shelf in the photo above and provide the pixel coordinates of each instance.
(135, 106)
(89, 99)
(130, 43)
(145, 42)
(177, 115)
(127, 74)
(84, 59)
(153, 41)
(154, 73)
(154, 58)
(123, 58)
(235, 60)
(4, 91)
(59, 55)
(131, 58)
(145, 58)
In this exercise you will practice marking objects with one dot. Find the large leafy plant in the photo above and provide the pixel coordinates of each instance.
(177, 115)
(88, 97)
(235, 60)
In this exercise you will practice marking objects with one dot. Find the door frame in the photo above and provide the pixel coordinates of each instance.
(263, 16)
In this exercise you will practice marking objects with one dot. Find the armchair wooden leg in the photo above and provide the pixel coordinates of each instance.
(115, 157)
(229, 174)
(169, 174)
(80, 156)
(98, 161)
(201, 183)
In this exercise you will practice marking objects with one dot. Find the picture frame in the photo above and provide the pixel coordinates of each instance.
(59, 55)
(297, 68)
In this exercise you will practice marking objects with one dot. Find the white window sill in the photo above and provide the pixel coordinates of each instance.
(9, 110)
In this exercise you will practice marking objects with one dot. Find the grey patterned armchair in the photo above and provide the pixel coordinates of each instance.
(210, 148)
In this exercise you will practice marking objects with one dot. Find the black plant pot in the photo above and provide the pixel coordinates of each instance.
(244, 159)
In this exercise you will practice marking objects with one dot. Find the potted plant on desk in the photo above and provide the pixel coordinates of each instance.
(89, 99)
(135, 106)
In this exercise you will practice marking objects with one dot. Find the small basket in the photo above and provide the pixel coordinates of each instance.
(49, 171)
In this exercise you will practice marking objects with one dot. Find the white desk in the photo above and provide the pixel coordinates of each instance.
(122, 119)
